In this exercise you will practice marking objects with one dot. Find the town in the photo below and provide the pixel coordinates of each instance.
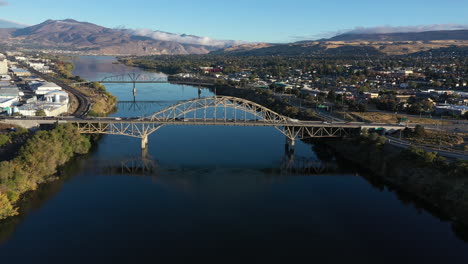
(423, 86)
(23, 93)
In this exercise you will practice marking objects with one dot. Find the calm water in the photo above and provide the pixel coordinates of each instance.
(216, 194)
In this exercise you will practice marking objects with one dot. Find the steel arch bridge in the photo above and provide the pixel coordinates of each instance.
(133, 78)
(223, 103)
(213, 111)
(127, 78)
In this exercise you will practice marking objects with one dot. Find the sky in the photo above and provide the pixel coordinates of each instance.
(247, 20)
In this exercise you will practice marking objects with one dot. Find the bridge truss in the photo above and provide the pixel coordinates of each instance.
(133, 78)
(217, 110)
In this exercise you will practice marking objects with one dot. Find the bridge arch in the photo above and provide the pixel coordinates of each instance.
(182, 109)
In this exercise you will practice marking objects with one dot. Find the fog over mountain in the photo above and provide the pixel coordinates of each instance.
(183, 38)
(10, 24)
(70, 34)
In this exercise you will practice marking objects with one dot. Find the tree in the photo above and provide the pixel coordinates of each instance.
(331, 95)
(419, 131)
(362, 107)
(4, 139)
(41, 112)
(6, 209)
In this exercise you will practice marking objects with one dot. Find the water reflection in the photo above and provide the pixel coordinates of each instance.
(201, 190)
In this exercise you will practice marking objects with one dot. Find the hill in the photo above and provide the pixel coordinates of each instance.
(361, 44)
(73, 35)
(409, 36)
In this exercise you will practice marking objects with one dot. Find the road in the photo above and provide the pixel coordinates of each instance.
(448, 153)
(84, 103)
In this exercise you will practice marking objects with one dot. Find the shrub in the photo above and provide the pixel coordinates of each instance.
(4, 139)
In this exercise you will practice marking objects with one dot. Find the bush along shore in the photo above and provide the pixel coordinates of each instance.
(424, 175)
(37, 162)
(42, 155)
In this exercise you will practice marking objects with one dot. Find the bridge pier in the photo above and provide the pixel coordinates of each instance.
(144, 142)
(289, 147)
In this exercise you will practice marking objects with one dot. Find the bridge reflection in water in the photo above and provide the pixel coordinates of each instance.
(147, 165)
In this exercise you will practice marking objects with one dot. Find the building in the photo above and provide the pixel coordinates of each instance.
(454, 110)
(10, 91)
(20, 72)
(6, 102)
(3, 65)
(370, 95)
(405, 72)
(57, 97)
(50, 109)
(42, 88)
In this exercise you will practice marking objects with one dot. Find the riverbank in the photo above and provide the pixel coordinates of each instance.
(45, 152)
(424, 175)
(37, 162)
(103, 103)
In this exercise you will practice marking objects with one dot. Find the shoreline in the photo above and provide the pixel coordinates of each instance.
(28, 170)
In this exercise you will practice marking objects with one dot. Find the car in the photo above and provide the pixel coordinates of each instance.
(118, 118)
(326, 122)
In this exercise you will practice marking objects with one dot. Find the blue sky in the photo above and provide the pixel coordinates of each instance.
(248, 20)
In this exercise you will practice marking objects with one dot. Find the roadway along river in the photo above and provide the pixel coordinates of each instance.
(216, 192)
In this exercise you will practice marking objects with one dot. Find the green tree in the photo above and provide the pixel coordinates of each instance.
(4, 139)
(419, 131)
(331, 95)
(41, 112)
(6, 208)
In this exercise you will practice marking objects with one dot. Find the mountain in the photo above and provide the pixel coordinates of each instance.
(10, 24)
(360, 44)
(409, 36)
(297, 49)
(73, 35)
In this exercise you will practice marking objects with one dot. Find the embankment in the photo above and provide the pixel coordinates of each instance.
(37, 162)
(423, 175)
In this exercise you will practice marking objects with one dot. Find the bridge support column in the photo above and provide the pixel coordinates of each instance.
(289, 147)
(144, 142)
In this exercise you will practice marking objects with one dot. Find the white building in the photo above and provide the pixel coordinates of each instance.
(6, 102)
(50, 109)
(44, 87)
(3, 65)
(57, 97)
(10, 91)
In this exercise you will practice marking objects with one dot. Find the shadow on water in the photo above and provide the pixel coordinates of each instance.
(34, 200)
(325, 164)
(326, 153)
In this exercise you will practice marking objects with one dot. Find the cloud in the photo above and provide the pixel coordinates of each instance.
(4, 23)
(3, 3)
(381, 30)
(183, 38)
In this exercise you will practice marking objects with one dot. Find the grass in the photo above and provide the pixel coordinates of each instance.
(379, 117)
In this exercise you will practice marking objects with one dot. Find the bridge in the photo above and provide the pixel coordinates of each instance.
(218, 111)
(128, 78)
(209, 111)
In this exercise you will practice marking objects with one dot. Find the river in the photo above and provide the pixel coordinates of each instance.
(216, 193)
